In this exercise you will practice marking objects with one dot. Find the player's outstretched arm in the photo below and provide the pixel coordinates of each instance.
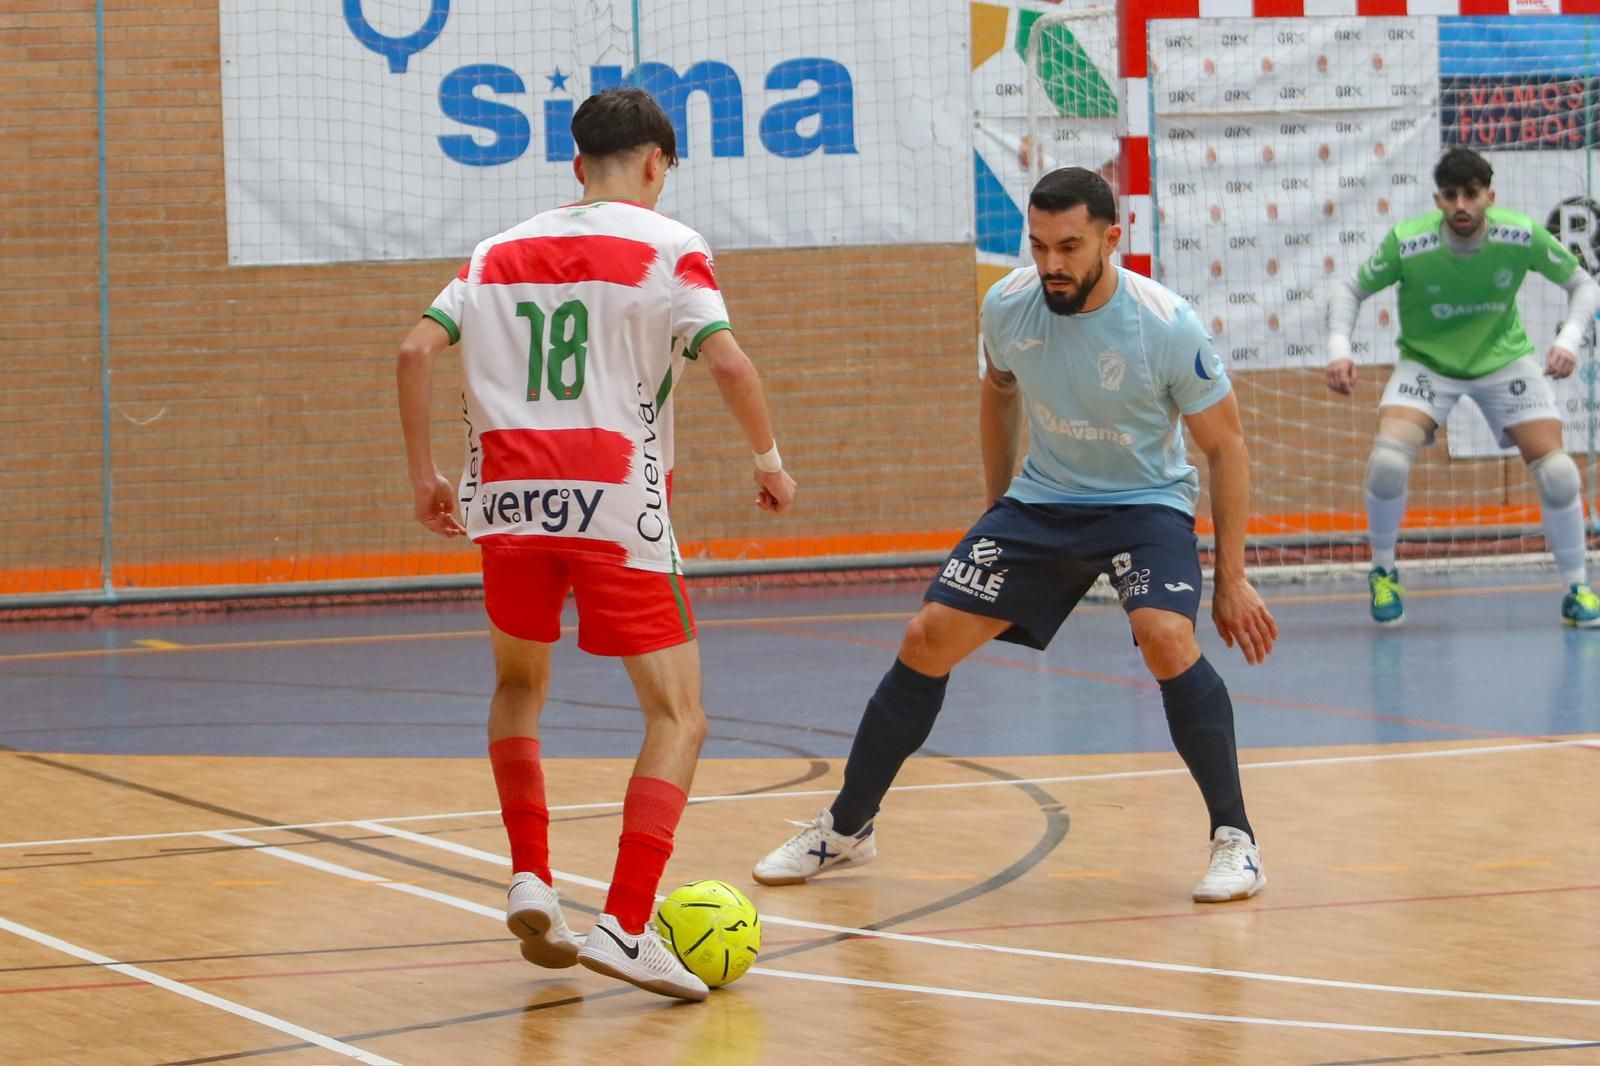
(741, 390)
(433, 497)
(999, 430)
(1344, 304)
(1236, 607)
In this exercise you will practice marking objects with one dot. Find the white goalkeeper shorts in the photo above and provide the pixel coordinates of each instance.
(1512, 395)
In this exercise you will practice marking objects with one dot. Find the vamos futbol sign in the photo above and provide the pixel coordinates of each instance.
(1517, 111)
(411, 129)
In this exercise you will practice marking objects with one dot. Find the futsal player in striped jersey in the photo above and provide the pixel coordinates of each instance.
(575, 326)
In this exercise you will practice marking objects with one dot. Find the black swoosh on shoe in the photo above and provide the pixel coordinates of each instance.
(630, 950)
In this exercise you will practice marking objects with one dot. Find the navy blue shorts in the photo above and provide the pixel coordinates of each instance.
(1030, 563)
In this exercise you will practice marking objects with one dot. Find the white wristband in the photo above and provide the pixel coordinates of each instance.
(1338, 348)
(1570, 337)
(769, 461)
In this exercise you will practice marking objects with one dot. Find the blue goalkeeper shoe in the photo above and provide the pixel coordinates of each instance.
(1388, 607)
(1581, 607)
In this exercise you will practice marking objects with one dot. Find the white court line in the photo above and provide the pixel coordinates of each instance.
(1436, 753)
(248, 1013)
(354, 874)
(1037, 953)
(1111, 1008)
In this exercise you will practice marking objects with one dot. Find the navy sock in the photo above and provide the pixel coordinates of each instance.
(897, 720)
(1200, 717)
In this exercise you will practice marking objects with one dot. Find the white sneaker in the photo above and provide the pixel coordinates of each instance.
(1235, 871)
(814, 849)
(533, 912)
(641, 960)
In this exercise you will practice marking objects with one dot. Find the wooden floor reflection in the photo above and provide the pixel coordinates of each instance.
(1429, 902)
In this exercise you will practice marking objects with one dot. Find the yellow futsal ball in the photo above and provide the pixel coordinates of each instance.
(713, 928)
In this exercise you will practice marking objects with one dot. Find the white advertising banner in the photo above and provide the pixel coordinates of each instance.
(1284, 149)
(411, 129)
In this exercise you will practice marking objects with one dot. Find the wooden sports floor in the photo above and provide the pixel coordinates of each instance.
(270, 837)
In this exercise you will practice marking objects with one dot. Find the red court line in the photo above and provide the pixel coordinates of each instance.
(1212, 910)
(105, 985)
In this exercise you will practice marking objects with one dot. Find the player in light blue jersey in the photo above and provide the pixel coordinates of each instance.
(1109, 369)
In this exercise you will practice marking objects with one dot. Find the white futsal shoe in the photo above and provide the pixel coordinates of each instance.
(1235, 871)
(814, 849)
(533, 912)
(641, 960)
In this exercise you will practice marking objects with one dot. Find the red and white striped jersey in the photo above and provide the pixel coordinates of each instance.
(574, 326)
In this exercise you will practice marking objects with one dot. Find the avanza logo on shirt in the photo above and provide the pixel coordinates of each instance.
(1445, 312)
(1078, 429)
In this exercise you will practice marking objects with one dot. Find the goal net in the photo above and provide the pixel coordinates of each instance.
(1281, 152)
(1045, 94)
(1076, 114)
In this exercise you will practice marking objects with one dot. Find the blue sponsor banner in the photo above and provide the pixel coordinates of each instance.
(1511, 44)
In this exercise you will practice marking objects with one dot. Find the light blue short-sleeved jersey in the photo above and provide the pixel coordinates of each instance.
(1104, 390)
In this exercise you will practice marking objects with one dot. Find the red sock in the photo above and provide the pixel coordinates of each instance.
(650, 813)
(520, 781)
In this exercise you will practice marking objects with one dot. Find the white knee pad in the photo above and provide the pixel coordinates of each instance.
(1389, 466)
(1556, 477)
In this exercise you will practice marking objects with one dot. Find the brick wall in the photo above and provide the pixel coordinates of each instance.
(49, 204)
(253, 433)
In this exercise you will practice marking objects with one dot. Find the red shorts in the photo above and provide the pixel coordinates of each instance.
(621, 611)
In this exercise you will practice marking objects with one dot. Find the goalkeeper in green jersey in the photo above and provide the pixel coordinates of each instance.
(1459, 269)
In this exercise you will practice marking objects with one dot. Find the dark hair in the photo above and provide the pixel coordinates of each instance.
(1461, 167)
(619, 120)
(1064, 189)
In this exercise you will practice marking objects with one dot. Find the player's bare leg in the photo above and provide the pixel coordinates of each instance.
(533, 908)
(1560, 488)
(1200, 718)
(521, 684)
(667, 683)
(938, 637)
(624, 944)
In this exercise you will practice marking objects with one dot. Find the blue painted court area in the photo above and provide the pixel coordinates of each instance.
(787, 673)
